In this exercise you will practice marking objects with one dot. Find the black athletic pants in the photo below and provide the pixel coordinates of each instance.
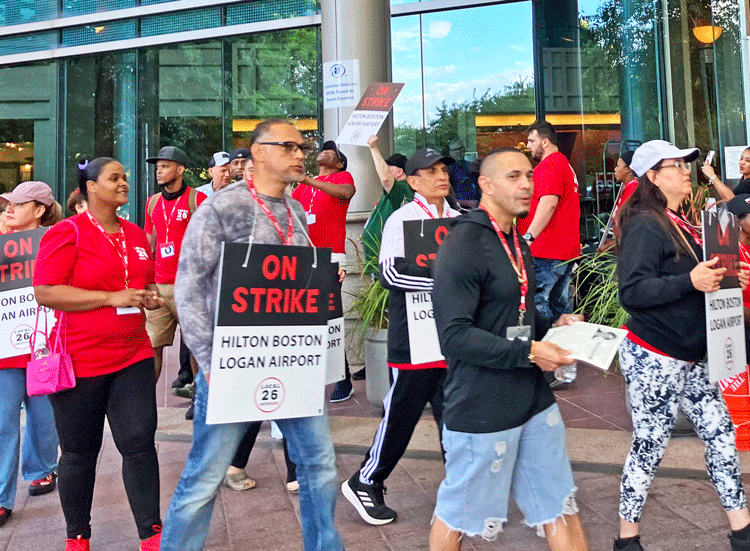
(410, 392)
(128, 400)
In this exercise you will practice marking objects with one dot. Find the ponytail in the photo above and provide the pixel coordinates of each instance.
(90, 170)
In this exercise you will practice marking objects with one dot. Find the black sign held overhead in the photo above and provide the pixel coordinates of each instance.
(422, 239)
(279, 286)
(17, 258)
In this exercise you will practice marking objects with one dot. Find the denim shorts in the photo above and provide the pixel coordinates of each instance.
(483, 469)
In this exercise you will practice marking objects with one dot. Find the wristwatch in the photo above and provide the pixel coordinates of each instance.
(528, 237)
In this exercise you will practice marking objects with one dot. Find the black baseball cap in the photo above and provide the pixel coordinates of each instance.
(739, 204)
(239, 153)
(425, 158)
(330, 144)
(170, 153)
(396, 160)
(627, 157)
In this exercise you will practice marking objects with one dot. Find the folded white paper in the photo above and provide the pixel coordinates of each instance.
(589, 343)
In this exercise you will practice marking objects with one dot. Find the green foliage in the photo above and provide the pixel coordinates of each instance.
(371, 303)
(596, 281)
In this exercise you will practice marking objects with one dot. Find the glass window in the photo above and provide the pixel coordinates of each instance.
(191, 20)
(16, 12)
(266, 10)
(103, 32)
(83, 7)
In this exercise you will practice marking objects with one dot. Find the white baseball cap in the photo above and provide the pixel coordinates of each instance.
(649, 154)
(220, 158)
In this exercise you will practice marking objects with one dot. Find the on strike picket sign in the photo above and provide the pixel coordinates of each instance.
(725, 319)
(270, 335)
(421, 241)
(17, 304)
(335, 362)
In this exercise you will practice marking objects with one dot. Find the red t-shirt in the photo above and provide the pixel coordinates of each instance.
(98, 341)
(170, 220)
(329, 228)
(627, 191)
(745, 257)
(560, 239)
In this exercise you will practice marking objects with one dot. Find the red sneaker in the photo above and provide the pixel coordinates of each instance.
(43, 485)
(152, 543)
(5, 514)
(78, 544)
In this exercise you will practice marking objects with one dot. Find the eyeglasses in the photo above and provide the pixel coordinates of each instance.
(290, 148)
(679, 165)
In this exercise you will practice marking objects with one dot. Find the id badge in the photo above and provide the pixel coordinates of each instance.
(128, 310)
(167, 250)
(310, 218)
(522, 332)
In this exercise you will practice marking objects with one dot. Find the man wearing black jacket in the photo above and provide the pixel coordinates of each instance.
(502, 432)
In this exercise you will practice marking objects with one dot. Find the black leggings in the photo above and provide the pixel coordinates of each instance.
(242, 455)
(128, 400)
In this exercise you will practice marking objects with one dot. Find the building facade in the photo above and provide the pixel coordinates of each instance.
(124, 77)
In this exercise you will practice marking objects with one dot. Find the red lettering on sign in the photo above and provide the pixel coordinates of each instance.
(440, 234)
(257, 292)
(10, 249)
(289, 268)
(241, 303)
(422, 259)
(16, 271)
(383, 90)
(296, 302)
(271, 267)
(273, 300)
(312, 299)
(25, 246)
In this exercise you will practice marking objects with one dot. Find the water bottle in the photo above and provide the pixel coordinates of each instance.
(40, 353)
(566, 373)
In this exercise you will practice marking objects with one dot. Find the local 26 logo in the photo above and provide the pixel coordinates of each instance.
(20, 336)
(269, 395)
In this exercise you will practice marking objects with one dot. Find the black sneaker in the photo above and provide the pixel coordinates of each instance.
(634, 545)
(5, 514)
(187, 391)
(183, 378)
(190, 411)
(360, 375)
(342, 391)
(368, 501)
(738, 544)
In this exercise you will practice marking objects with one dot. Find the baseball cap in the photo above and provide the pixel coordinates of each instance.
(651, 153)
(396, 160)
(170, 153)
(30, 191)
(239, 153)
(739, 204)
(330, 144)
(220, 158)
(627, 157)
(425, 158)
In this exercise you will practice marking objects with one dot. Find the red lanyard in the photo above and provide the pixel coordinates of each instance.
(424, 208)
(685, 226)
(518, 266)
(272, 218)
(168, 221)
(117, 241)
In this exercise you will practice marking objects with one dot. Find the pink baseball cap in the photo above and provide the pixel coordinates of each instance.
(30, 191)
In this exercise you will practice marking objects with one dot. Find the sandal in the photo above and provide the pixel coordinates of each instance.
(239, 482)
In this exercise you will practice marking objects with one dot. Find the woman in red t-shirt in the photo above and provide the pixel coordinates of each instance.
(29, 206)
(96, 270)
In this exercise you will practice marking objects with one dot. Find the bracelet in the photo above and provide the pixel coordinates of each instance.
(711, 180)
(531, 351)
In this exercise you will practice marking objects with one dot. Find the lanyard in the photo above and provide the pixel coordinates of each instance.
(312, 199)
(272, 218)
(685, 226)
(424, 208)
(116, 240)
(518, 266)
(168, 221)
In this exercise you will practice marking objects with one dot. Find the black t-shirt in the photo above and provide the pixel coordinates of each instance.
(743, 187)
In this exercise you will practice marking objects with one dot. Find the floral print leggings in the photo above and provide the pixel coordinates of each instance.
(657, 386)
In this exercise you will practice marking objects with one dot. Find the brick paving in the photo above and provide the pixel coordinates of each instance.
(682, 512)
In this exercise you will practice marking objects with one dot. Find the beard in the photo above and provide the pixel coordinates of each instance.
(523, 214)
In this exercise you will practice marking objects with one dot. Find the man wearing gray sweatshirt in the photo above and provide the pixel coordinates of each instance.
(234, 214)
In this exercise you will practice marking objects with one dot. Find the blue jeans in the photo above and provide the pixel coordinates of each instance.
(552, 287)
(39, 451)
(310, 448)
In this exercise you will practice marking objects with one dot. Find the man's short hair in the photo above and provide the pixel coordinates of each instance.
(494, 152)
(265, 127)
(544, 130)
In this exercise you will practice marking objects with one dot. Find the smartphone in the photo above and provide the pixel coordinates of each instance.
(710, 157)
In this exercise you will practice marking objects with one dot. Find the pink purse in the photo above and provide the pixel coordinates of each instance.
(53, 372)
